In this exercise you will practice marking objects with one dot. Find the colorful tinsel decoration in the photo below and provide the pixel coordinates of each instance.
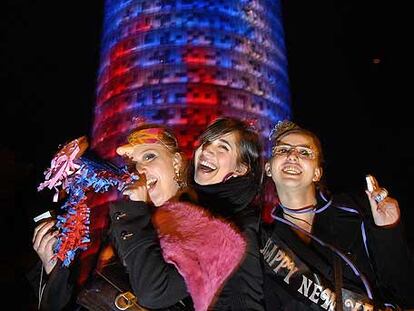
(77, 176)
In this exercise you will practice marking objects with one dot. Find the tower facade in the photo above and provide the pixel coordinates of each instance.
(184, 62)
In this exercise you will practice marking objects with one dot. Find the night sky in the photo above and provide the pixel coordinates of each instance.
(349, 83)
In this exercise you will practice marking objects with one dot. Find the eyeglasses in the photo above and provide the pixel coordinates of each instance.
(302, 152)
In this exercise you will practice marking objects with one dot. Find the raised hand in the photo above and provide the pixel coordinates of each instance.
(385, 209)
(137, 191)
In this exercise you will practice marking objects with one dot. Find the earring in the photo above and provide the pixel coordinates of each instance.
(315, 178)
(177, 178)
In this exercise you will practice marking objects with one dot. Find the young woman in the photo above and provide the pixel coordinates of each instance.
(176, 254)
(171, 249)
(321, 250)
(227, 176)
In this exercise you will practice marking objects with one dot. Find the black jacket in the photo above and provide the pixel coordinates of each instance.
(58, 290)
(159, 284)
(384, 259)
(156, 283)
(234, 200)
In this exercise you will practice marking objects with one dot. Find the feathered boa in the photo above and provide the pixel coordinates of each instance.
(206, 250)
(78, 175)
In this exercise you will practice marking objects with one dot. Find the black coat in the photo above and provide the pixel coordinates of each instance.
(59, 288)
(159, 285)
(234, 200)
(156, 283)
(162, 285)
(62, 292)
(385, 259)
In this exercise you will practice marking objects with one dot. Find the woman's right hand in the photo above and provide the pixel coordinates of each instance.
(137, 191)
(43, 242)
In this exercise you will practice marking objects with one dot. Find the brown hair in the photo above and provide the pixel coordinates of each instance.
(283, 128)
(249, 146)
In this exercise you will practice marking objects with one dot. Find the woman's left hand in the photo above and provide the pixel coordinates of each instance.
(385, 209)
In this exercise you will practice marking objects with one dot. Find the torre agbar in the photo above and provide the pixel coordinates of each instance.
(183, 63)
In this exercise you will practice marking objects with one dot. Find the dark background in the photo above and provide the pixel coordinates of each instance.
(349, 76)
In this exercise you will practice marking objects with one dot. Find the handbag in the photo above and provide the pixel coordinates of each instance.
(109, 289)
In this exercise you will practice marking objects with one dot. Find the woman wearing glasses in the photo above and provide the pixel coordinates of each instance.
(328, 252)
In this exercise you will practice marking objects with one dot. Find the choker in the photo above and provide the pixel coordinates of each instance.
(307, 209)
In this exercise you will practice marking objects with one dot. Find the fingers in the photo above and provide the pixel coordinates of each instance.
(40, 232)
(381, 195)
(137, 191)
(36, 230)
(44, 241)
(377, 196)
(39, 228)
(391, 203)
(47, 243)
(387, 202)
(385, 209)
(388, 212)
(374, 191)
(141, 181)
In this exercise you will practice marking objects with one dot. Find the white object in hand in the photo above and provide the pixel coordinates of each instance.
(44, 215)
(370, 183)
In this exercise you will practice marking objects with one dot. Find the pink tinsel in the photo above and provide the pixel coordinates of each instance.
(78, 177)
(61, 166)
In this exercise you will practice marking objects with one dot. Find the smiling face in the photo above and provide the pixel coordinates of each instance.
(218, 160)
(294, 162)
(158, 165)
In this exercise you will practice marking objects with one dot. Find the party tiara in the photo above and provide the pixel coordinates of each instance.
(281, 128)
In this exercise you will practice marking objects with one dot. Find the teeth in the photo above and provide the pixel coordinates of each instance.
(291, 170)
(151, 182)
(209, 165)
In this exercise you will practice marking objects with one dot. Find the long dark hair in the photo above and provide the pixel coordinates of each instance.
(249, 145)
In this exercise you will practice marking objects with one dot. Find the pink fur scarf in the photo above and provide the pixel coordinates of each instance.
(206, 250)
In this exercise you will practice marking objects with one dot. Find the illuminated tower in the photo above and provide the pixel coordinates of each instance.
(184, 62)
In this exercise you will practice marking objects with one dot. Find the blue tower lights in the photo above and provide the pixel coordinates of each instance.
(183, 63)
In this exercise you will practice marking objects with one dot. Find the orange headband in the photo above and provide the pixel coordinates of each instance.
(146, 136)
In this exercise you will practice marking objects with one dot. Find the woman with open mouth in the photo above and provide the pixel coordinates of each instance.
(226, 175)
(326, 251)
(177, 254)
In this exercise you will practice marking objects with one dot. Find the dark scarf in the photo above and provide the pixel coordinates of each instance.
(228, 198)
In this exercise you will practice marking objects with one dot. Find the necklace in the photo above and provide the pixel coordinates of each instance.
(303, 210)
(307, 209)
(297, 218)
